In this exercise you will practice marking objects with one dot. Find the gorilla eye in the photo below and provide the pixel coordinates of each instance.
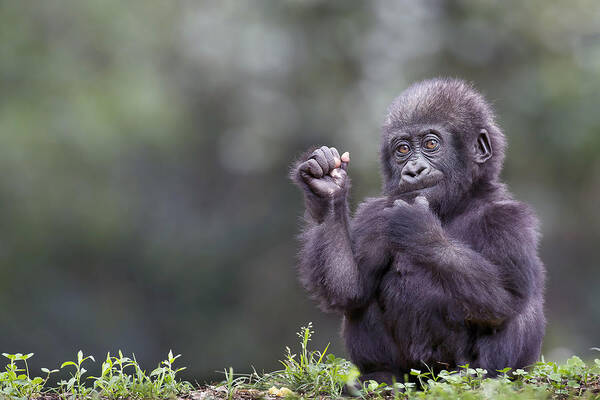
(431, 144)
(403, 149)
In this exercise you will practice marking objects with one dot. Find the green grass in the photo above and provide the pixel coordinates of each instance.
(314, 374)
(306, 374)
(310, 373)
(121, 377)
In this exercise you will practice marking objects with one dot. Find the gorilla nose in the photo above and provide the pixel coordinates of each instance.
(415, 170)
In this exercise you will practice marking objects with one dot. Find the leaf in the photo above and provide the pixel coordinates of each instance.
(573, 384)
(372, 385)
(68, 363)
(575, 362)
(555, 377)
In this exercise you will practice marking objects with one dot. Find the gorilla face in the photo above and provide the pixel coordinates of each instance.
(416, 159)
(425, 160)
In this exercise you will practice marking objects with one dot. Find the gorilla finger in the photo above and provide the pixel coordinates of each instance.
(400, 203)
(345, 158)
(319, 156)
(336, 157)
(422, 202)
(329, 156)
(311, 168)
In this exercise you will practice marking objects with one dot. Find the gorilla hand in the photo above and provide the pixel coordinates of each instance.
(412, 226)
(324, 180)
(324, 173)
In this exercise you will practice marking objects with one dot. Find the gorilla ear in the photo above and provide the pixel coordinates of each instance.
(483, 147)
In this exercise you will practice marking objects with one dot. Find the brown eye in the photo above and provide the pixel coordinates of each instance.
(403, 149)
(431, 144)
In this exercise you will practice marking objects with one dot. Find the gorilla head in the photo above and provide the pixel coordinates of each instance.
(440, 140)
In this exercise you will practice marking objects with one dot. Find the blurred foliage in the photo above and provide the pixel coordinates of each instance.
(145, 148)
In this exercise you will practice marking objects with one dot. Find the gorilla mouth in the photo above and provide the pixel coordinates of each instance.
(429, 180)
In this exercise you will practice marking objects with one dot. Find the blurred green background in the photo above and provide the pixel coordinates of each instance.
(145, 146)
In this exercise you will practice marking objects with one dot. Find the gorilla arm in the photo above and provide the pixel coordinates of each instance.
(492, 285)
(334, 255)
(327, 266)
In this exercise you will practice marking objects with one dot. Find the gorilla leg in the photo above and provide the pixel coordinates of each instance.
(517, 345)
(370, 345)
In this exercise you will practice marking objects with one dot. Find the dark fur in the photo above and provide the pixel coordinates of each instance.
(455, 282)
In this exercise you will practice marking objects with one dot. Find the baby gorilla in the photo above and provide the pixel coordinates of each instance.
(442, 269)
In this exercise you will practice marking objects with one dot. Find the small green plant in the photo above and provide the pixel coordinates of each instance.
(113, 382)
(121, 377)
(73, 388)
(15, 381)
(310, 372)
(230, 383)
(163, 377)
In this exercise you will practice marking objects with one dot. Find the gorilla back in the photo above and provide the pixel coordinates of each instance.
(442, 269)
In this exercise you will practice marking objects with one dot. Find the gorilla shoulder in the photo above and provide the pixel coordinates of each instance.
(514, 217)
